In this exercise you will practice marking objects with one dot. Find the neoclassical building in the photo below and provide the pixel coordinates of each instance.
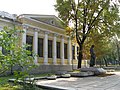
(47, 38)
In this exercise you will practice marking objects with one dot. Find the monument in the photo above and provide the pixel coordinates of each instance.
(93, 56)
(95, 70)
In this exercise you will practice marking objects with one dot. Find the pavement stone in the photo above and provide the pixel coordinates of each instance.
(84, 83)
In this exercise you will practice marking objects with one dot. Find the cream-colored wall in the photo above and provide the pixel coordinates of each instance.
(42, 27)
(51, 30)
(50, 37)
(6, 23)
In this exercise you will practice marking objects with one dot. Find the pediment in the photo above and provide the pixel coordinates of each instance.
(47, 19)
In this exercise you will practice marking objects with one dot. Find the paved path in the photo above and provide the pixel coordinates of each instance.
(85, 83)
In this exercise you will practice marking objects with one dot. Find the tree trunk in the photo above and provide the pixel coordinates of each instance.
(100, 63)
(80, 56)
(118, 53)
(11, 69)
(105, 62)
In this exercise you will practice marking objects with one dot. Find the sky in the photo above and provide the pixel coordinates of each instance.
(18, 7)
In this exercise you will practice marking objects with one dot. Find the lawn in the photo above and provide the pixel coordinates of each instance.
(4, 85)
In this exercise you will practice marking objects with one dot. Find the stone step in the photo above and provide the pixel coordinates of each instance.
(95, 70)
(81, 74)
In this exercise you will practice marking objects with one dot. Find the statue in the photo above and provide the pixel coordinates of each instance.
(93, 56)
(95, 70)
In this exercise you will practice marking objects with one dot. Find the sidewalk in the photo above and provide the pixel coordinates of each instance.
(84, 83)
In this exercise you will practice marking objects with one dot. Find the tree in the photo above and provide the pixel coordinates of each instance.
(13, 53)
(87, 16)
(116, 42)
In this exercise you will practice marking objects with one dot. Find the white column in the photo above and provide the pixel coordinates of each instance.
(76, 52)
(69, 51)
(46, 48)
(24, 35)
(54, 50)
(62, 50)
(85, 63)
(35, 46)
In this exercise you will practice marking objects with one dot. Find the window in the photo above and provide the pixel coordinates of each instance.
(4, 51)
(29, 41)
(65, 51)
(40, 47)
(58, 49)
(73, 52)
(49, 48)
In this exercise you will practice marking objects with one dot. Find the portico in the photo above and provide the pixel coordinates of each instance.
(47, 36)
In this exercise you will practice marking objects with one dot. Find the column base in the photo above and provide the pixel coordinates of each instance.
(45, 63)
(63, 64)
(69, 62)
(54, 63)
(35, 61)
(37, 64)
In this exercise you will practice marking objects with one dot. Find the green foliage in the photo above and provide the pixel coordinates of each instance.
(90, 18)
(14, 54)
(4, 80)
(89, 15)
(10, 87)
(4, 85)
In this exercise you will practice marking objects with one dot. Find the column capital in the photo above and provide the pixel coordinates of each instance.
(46, 32)
(25, 27)
(36, 29)
(55, 34)
(69, 37)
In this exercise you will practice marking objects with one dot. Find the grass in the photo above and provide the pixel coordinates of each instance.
(10, 87)
(4, 80)
(4, 85)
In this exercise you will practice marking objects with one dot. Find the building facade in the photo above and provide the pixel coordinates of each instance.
(47, 38)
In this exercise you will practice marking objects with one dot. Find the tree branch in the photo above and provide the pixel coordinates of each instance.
(91, 24)
(84, 22)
